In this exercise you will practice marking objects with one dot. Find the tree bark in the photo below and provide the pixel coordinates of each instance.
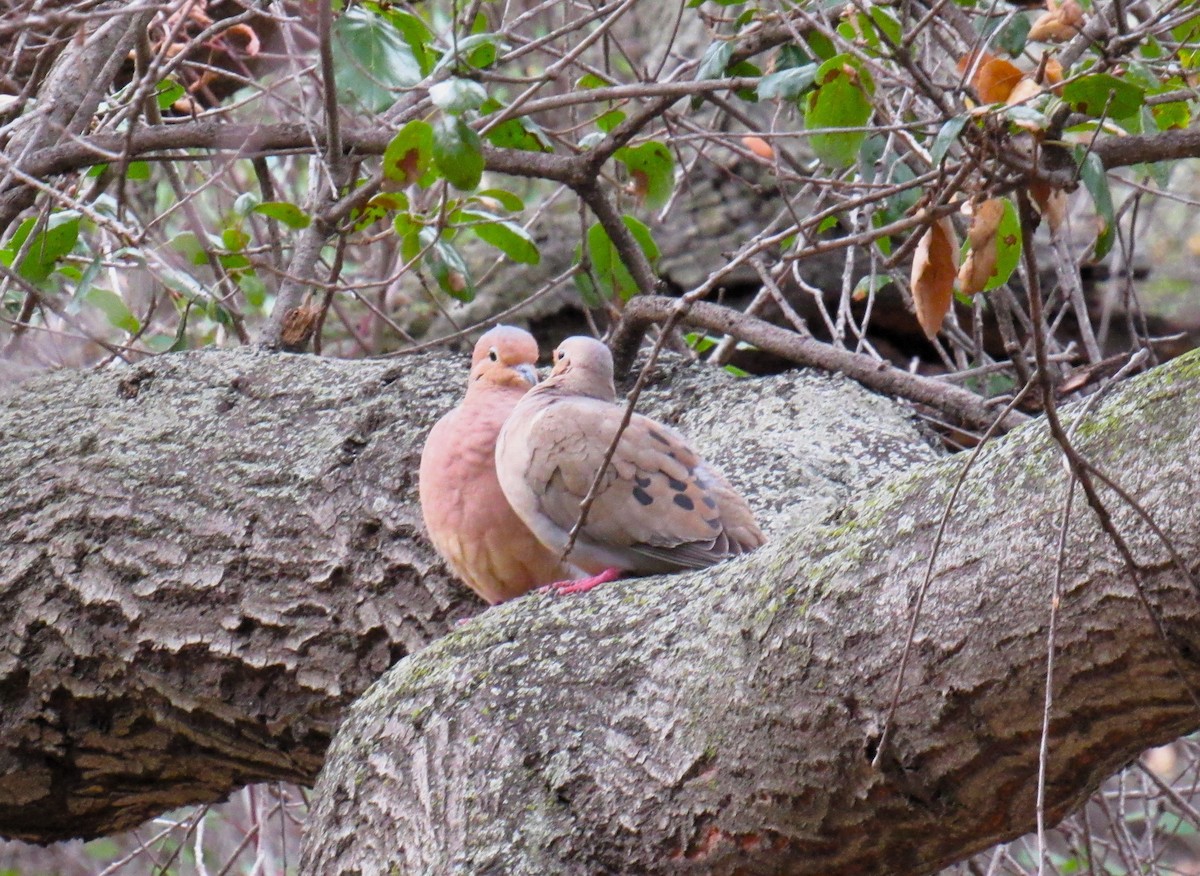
(207, 556)
(726, 721)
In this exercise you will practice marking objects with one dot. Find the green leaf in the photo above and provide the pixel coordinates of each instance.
(1170, 116)
(746, 70)
(415, 33)
(715, 60)
(712, 65)
(111, 305)
(887, 23)
(1091, 170)
(234, 262)
(507, 199)
(1014, 35)
(289, 214)
(508, 237)
(447, 266)
(18, 238)
(841, 100)
(787, 84)
(234, 240)
(1101, 93)
(819, 45)
(607, 267)
(253, 288)
(190, 246)
(945, 138)
(371, 59)
(456, 96)
(138, 171)
(479, 50)
(167, 93)
(869, 284)
(410, 153)
(653, 168)
(46, 248)
(245, 203)
(86, 279)
(458, 153)
(609, 120)
(519, 133)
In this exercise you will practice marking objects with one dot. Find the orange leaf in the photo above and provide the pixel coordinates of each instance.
(994, 78)
(934, 266)
(759, 147)
(1054, 73)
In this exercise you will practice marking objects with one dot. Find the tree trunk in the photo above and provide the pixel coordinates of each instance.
(207, 556)
(726, 721)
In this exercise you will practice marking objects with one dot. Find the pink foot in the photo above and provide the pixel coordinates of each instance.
(582, 585)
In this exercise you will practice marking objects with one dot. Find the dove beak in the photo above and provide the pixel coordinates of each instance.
(528, 372)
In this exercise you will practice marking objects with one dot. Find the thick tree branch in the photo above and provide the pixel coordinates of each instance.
(725, 721)
(206, 557)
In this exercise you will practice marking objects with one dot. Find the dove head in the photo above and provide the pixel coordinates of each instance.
(505, 356)
(584, 366)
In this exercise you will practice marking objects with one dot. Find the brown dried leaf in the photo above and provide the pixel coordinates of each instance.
(980, 263)
(934, 266)
(1061, 22)
(1051, 202)
(251, 45)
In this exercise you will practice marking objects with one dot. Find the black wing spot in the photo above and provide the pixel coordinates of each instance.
(714, 524)
(642, 482)
(677, 486)
(709, 502)
(642, 496)
(659, 436)
(683, 502)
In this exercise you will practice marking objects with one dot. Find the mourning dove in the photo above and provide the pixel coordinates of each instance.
(469, 520)
(660, 507)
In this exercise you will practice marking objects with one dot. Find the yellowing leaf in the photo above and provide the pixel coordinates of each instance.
(934, 267)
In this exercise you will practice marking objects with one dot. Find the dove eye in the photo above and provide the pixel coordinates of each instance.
(493, 355)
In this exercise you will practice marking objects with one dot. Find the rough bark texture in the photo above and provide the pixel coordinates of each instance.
(725, 721)
(207, 556)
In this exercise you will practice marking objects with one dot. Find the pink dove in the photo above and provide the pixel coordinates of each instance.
(470, 522)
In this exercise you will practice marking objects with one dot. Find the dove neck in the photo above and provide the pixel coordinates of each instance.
(487, 389)
(563, 386)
